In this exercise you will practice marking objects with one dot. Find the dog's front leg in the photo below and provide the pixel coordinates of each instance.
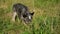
(14, 16)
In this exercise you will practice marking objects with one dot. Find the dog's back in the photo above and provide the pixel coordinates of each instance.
(20, 8)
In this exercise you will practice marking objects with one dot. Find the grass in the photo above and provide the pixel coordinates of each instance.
(46, 19)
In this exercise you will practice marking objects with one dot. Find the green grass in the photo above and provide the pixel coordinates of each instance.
(46, 19)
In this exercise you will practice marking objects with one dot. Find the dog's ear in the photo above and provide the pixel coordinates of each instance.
(32, 13)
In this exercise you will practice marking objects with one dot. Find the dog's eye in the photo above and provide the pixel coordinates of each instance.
(24, 16)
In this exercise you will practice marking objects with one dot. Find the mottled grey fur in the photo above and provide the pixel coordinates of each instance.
(22, 12)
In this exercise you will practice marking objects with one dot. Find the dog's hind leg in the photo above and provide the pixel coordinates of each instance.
(14, 16)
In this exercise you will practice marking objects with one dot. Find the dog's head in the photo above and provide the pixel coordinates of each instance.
(28, 17)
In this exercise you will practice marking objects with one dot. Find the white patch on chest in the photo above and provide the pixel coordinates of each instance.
(29, 17)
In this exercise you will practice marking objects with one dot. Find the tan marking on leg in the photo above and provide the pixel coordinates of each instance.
(13, 17)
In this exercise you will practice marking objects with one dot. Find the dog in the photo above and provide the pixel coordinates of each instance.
(23, 13)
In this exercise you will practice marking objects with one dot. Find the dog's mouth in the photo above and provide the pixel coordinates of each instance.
(27, 20)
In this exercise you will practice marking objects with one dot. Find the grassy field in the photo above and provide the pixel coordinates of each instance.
(46, 19)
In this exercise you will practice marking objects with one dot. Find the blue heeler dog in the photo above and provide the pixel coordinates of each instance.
(22, 12)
